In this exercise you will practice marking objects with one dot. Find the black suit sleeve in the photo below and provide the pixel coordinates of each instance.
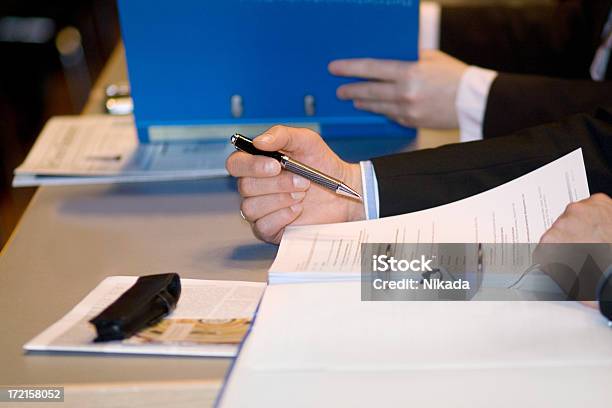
(534, 100)
(553, 40)
(428, 178)
(557, 40)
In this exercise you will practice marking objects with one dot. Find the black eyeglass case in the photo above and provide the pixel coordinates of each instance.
(150, 299)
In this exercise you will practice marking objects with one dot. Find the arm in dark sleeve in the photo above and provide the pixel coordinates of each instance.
(428, 178)
(517, 102)
(554, 40)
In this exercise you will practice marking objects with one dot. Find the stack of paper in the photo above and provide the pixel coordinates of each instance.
(211, 319)
(319, 344)
(519, 211)
(105, 149)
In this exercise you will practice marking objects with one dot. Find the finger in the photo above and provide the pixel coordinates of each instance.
(549, 237)
(560, 232)
(253, 208)
(288, 139)
(430, 54)
(240, 164)
(554, 235)
(381, 91)
(599, 198)
(386, 70)
(270, 228)
(283, 183)
(590, 303)
(384, 108)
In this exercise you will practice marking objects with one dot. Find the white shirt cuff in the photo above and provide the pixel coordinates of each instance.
(471, 101)
(429, 26)
(370, 190)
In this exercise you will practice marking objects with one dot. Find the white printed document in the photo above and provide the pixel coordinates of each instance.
(519, 211)
(318, 344)
(105, 149)
(211, 319)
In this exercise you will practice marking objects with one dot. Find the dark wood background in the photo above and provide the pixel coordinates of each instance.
(34, 82)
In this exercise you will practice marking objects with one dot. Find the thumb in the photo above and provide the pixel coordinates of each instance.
(287, 139)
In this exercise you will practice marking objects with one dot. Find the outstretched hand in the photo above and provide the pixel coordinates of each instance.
(415, 94)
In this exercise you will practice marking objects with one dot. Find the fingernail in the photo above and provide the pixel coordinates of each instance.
(300, 182)
(265, 138)
(336, 65)
(296, 208)
(298, 195)
(270, 167)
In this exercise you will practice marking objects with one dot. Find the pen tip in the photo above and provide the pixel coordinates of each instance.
(346, 191)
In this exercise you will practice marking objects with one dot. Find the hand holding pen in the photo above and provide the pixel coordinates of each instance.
(246, 145)
(274, 197)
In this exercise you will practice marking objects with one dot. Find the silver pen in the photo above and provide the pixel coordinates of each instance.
(245, 144)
